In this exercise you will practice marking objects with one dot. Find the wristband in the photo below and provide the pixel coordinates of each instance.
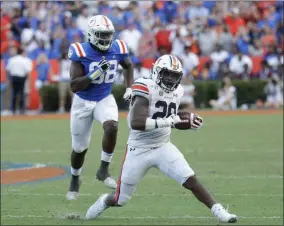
(150, 124)
(95, 73)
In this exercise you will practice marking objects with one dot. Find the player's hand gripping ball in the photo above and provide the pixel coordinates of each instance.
(193, 121)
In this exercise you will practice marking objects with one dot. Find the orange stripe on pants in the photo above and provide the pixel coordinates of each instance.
(119, 180)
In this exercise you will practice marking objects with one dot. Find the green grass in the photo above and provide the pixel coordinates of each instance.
(239, 158)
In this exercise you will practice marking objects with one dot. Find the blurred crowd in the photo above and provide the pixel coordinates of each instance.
(229, 33)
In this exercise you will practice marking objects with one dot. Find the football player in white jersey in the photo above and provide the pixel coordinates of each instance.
(153, 113)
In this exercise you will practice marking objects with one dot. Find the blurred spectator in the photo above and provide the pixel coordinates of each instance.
(227, 97)
(74, 32)
(190, 62)
(187, 99)
(253, 32)
(177, 38)
(64, 81)
(218, 57)
(234, 21)
(42, 35)
(147, 45)
(18, 69)
(162, 37)
(268, 37)
(171, 10)
(28, 39)
(275, 59)
(265, 21)
(274, 93)
(242, 40)
(82, 20)
(256, 49)
(206, 44)
(140, 71)
(9, 42)
(240, 65)
(196, 10)
(225, 39)
(43, 69)
(132, 37)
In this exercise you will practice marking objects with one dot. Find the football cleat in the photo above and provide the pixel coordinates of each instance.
(222, 214)
(110, 183)
(97, 208)
(73, 191)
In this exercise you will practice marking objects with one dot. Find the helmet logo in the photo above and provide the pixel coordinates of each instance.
(92, 22)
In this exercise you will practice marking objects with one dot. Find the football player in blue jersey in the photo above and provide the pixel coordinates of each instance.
(93, 70)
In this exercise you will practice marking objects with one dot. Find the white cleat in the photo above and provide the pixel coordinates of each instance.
(222, 214)
(72, 195)
(97, 208)
(110, 183)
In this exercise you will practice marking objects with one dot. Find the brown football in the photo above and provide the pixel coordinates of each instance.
(184, 116)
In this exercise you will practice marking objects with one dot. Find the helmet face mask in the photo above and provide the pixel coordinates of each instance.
(169, 80)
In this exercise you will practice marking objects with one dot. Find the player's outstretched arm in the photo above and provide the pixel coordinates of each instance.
(78, 80)
(139, 113)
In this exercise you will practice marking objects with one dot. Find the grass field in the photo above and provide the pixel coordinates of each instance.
(239, 158)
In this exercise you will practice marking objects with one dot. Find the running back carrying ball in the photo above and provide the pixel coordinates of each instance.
(194, 121)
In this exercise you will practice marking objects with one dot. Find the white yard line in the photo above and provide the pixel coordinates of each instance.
(138, 195)
(145, 217)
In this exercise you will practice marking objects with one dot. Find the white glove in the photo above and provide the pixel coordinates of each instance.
(102, 67)
(128, 94)
(195, 122)
(169, 121)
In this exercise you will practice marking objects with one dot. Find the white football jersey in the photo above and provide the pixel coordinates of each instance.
(161, 105)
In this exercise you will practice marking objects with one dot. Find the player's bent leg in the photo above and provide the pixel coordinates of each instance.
(106, 112)
(108, 143)
(115, 199)
(132, 171)
(173, 164)
(204, 196)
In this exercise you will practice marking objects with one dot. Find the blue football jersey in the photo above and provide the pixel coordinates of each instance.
(89, 58)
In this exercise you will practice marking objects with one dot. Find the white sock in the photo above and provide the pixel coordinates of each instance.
(216, 207)
(76, 172)
(106, 156)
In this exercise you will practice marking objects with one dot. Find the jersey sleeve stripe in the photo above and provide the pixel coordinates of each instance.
(140, 93)
(140, 88)
(139, 83)
(79, 50)
(76, 49)
(83, 51)
(122, 46)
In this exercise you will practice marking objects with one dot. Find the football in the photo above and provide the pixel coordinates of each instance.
(185, 116)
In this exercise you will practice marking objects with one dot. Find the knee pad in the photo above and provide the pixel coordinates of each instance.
(78, 144)
(110, 126)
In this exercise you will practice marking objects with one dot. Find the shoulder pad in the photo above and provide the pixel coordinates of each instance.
(76, 51)
(140, 88)
(120, 46)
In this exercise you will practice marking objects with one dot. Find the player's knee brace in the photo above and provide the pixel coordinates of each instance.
(110, 127)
